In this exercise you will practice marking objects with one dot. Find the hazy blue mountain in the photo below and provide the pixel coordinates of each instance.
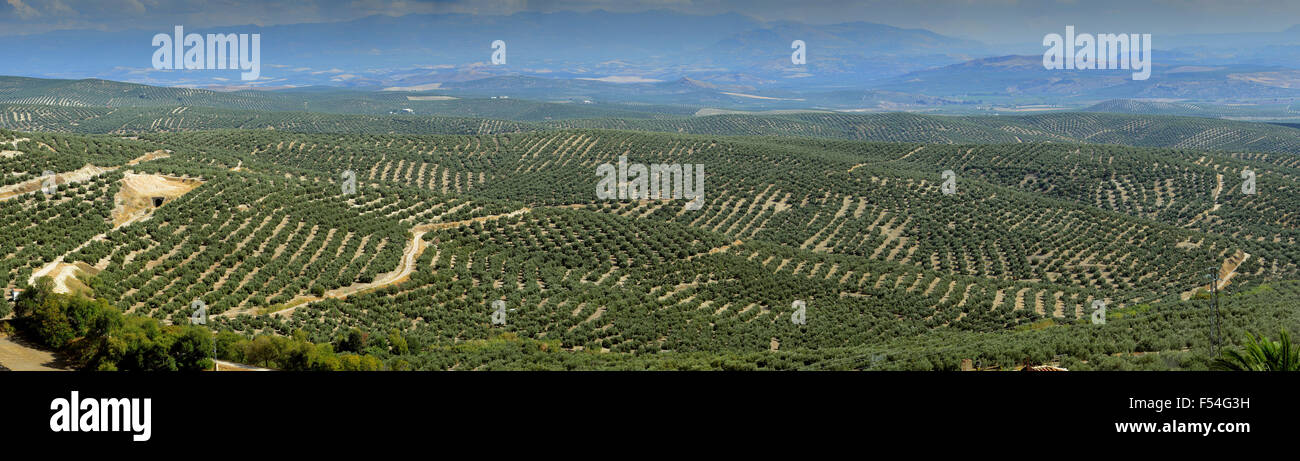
(413, 50)
(729, 62)
(1020, 77)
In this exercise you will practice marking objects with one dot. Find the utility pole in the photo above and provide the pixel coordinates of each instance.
(1214, 290)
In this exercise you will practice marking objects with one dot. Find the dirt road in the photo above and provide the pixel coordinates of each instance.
(18, 355)
(405, 269)
(223, 365)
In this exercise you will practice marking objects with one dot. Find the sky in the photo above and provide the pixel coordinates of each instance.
(990, 21)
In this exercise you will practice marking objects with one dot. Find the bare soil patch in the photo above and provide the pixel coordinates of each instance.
(19, 355)
(65, 276)
(155, 155)
(141, 192)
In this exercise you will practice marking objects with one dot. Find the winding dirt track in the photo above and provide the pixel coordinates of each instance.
(404, 270)
(1226, 273)
(412, 253)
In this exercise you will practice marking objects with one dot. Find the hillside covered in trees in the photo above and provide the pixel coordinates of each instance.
(489, 247)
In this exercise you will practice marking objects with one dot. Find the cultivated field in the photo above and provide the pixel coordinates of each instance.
(1045, 218)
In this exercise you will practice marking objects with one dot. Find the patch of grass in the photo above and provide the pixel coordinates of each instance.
(1039, 325)
(1263, 288)
(273, 308)
(1117, 314)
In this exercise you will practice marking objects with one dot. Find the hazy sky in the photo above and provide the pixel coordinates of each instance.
(991, 21)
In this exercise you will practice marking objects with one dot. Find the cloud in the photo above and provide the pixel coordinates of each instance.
(24, 11)
(58, 7)
(623, 79)
(134, 6)
(137, 70)
(996, 21)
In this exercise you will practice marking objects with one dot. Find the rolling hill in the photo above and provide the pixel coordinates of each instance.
(470, 229)
(893, 273)
(104, 94)
(523, 116)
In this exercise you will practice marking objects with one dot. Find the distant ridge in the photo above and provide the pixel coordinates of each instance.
(1062, 127)
(1130, 106)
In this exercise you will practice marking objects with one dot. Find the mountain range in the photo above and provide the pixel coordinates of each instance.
(725, 62)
